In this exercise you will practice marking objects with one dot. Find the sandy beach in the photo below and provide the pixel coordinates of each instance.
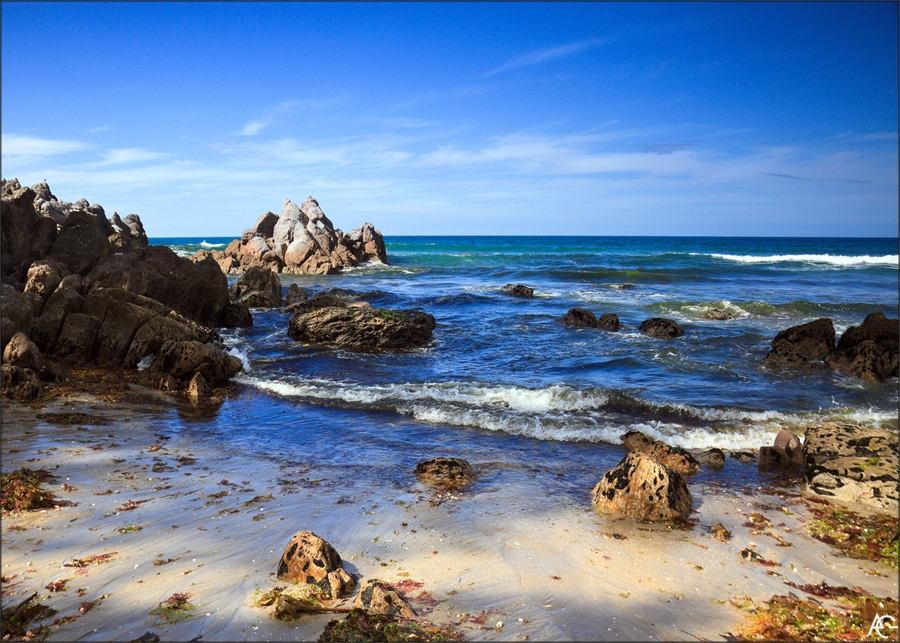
(161, 514)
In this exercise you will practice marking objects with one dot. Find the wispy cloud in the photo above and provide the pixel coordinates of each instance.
(22, 150)
(544, 55)
(270, 116)
(130, 155)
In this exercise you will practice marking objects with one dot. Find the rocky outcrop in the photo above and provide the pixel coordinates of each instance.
(185, 359)
(675, 458)
(258, 288)
(803, 346)
(519, 290)
(869, 351)
(853, 464)
(641, 487)
(380, 597)
(302, 240)
(90, 290)
(311, 560)
(451, 474)
(367, 329)
(661, 327)
(583, 318)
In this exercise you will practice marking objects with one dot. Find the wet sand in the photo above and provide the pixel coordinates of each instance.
(176, 516)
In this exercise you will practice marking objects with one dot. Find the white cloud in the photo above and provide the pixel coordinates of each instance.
(22, 150)
(254, 127)
(130, 155)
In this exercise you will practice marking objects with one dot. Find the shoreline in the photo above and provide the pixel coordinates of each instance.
(503, 551)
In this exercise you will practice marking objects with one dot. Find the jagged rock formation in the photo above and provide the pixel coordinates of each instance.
(869, 351)
(85, 289)
(311, 560)
(302, 240)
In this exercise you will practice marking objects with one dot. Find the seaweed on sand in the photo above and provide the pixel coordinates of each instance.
(21, 491)
(359, 625)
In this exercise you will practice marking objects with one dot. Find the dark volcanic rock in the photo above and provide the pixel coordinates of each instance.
(640, 486)
(609, 321)
(712, 458)
(18, 383)
(802, 346)
(580, 318)
(295, 294)
(328, 299)
(661, 327)
(853, 464)
(870, 351)
(519, 291)
(183, 359)
(363, 328)
(446, 473)
(311, 560)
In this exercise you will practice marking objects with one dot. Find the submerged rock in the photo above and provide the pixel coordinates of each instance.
(712, 458)
(641, 487)
(519, 291)
(367, 329)
(717, 314)
(580, 318)
(661, 327)
(446, 473)
(311, 560)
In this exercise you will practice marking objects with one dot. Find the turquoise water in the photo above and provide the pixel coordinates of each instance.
(503, 375)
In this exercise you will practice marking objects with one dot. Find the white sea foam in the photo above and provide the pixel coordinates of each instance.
(835, 260)
(145, 362)
(562, 413)
(206, 244)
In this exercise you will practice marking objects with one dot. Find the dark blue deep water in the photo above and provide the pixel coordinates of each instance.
(503, 374)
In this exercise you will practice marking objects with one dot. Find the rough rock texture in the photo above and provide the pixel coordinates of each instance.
(519, 291)
(661, 327)
(675, 458)
(379, 597)
(258, 288)
(853, 464)
(312, 560)
(18, 383)
(580, 318)
(158, 273)
(870, 351)
(363, 328)
(22, 352)
(17, 313)
(802, 346)
(609, 321)
(328, 299)
(786, 453)
(712, 458)
(640, 486)
(300, 241)
(295, 294)
(184, 359)
(451, 474)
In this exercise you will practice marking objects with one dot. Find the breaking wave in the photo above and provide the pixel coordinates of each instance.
(558, 412)
(834, 260)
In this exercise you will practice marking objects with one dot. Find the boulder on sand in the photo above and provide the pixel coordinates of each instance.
(641, 487)
(311, 560)
(380, 597)
(675, 458)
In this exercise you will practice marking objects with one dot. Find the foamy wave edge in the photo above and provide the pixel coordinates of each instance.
(834, 260)
(561, 413)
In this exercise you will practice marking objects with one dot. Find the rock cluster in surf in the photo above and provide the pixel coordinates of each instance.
(302, 240)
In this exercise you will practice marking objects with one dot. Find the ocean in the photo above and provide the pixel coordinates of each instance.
(504, 382)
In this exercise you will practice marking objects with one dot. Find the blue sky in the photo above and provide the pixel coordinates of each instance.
(769, 119)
